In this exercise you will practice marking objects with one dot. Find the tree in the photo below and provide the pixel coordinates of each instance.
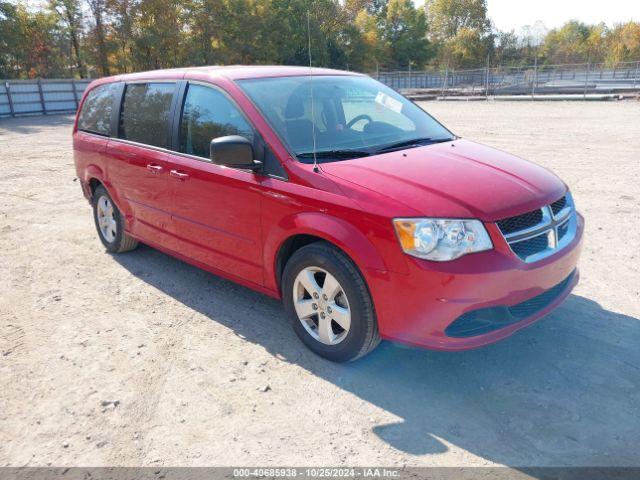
(120, 15)
(12, 25)
(32, 43)
(508, 48)
(405, 31)
(158, 34)
(70, 13)
(467, 48)
(376, 8)
(372, 44)
(461, 28)
(567, 44)
(98, 9)
(623, 43)
(132, 35)
(531, 37)
(596, 42)
(244, 38)
(448, 17)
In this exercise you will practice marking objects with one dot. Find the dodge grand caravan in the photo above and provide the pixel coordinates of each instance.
(332, 192)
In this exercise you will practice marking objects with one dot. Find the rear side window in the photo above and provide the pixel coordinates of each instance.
(95, 116)
(145, 113)
(208, 114)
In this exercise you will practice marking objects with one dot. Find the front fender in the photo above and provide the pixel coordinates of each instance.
(334, 230)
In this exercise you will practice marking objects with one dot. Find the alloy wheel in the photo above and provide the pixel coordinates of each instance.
(321, 305)
(106, 219)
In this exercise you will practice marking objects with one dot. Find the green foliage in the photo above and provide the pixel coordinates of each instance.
(623, 43)
(31, 43)
(63, 38)
(448, 17)
(462, 30)
(509, 49)
(405, 34)
(69, 14)
(567, 44)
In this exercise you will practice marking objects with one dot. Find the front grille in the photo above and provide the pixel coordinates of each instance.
(558, 205)
(520, 222)
(563, 230)
(531, 246)
(485, 320)
(535, 235)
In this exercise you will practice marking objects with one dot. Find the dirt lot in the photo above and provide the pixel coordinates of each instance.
(139, 359)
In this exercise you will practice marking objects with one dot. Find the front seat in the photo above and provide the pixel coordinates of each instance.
(299, 129)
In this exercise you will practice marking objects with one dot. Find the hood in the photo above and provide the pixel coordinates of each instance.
(458, 179)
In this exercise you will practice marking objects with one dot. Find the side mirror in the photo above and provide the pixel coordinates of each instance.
(233, 151)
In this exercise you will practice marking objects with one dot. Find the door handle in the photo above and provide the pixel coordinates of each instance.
(153, 168)
(179, 175)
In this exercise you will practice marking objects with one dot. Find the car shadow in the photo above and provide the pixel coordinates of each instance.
(563, 392)
(31, 124)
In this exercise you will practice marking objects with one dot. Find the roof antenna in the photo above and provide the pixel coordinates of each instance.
(313, 116)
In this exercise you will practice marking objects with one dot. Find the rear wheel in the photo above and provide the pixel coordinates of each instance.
(109, 224)
(329, 304)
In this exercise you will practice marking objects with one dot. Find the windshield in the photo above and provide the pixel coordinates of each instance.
(352, 116)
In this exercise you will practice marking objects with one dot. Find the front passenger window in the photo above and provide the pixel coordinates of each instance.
(208, 114)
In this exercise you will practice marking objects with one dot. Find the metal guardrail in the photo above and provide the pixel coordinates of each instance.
(40, 97)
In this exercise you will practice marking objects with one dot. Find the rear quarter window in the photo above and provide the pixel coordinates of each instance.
(145, 113)
(95, 116)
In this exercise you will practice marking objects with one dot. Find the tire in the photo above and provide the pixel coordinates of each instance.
(114, 239)
(320, 259)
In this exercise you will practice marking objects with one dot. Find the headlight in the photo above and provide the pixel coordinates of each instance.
(440, 239)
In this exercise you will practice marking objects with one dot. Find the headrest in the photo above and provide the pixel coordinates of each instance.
(295, 107)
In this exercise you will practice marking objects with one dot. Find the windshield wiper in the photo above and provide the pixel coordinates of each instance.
(334, 154)
(414, 142)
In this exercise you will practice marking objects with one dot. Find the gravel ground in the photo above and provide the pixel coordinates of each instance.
(140, 359)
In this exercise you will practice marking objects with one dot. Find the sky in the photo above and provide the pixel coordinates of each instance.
(514, 14)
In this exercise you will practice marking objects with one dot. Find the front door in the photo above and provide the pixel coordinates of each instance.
(215, 210)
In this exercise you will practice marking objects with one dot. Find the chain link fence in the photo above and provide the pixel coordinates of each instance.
(581, 78)
(43, 97)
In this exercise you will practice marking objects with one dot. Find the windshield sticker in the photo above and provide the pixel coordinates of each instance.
(388, 102)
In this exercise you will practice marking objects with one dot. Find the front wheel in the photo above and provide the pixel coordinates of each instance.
(109, 223)
(329, 303)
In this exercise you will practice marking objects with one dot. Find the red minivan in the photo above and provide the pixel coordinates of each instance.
(334, 193)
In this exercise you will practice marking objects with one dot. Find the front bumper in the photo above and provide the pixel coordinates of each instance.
(421, 308)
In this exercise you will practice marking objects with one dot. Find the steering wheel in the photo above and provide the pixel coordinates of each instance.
(356, 119)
